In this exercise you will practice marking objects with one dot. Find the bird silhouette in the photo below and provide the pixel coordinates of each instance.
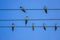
(33, 26)
(56, 27)
(44, 27)
(45, 9)
(22, 9)
(12, 26)
(26, 20)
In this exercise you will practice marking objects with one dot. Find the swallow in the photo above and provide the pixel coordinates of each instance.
(22, 9)
(33, 26)
(44, 27)
(45, 9)
(12, 26)
(26, 20)
(56, 27)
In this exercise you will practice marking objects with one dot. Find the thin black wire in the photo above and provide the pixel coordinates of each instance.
(28, 19)
(25, 26)
(29, 9)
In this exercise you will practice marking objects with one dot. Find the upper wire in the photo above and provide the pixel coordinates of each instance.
(29, 9)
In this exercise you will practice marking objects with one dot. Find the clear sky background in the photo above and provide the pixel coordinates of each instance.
(27, 33)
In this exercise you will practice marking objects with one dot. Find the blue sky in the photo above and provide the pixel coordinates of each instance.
(27, 33)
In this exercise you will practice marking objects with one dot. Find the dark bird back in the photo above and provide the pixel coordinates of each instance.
(22, 9)
(12, 26)
(56, 27)
(26, 20)
(45, 9)
(33, 26)
(44, 27)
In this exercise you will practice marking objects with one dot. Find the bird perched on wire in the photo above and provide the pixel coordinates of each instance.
(33, 26)
(22, 9)
(45, 9)
(44, 27)
(55, 27)
(26, 20)
(12, 26)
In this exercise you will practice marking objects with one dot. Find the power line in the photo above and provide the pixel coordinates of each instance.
(24, 26)
(29, 19)
(29, 9)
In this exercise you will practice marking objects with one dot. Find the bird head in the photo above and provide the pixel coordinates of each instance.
(20, 6)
